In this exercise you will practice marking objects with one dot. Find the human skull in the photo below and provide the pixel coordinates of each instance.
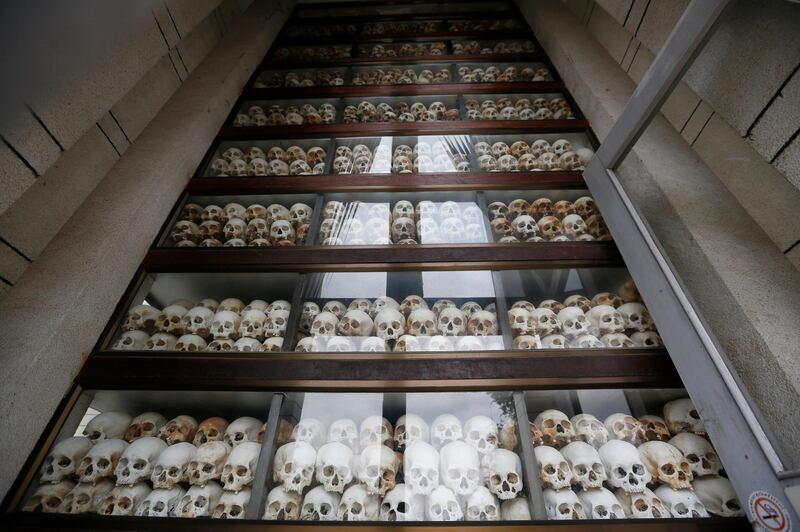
(642, 505)
(545, 322)
(701, 456)
(522, 322)
(666, 464)
(481, 505)
(199, 501)
(311, 431)
(357, 505)
(587, 468)
(624, 467)
(211, 429)
(225, 325)
(375, 430)
(141, 318)
(555, 427)
(123, 500)
(573, 321)
(604, 319)
(624, 427)
(378, 466)
(207, 462)
(718, 496)
(599, 503)
(335, 465)
(682, 416)
(590, 430)
(550, 227)
(504, 470)
(282, 505)
(421, 467)
(421, 322)
(232, 505)
(101, 460)
(138, 459)
(82, 499)
(355, 323)
(646, 339)
(132, 341)
(181, 428)
(198, 321)
(682, 503)
(49, 498)
(401, 504)
(636, 317)
(320, 505)
(554, 471)
(172, 464)
(403, 228)
(442, 505)
(344, 431)
(451, 322)
(64, 457)
(294, 466)
(563, 505)
(324, 324)
(390, 324)
(515, 510)
(240, 467)
(482, 323)
(574, 226)
(459, 467)
(107, 425)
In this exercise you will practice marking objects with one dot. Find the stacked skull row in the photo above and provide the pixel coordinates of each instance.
(578, 322)
(410, 325)
(446, 471)
(317, 78)
(543, 221)
(289, 115)
(423, 157)
(403, 50)
(482, 48)
(313, 53)
(325, 30)
(237, 226)
(422, 26)
(658, 467)
(227, 325)
(359, 224)
(148, 466)
(483, 25)
(522, 109)
(396, 76)
(538, 156)
(400, 112)
(253, 161)
(509, 74)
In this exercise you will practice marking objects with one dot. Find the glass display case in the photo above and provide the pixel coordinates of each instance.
(401, 9)
(319, 77)
(317, 30)
(402, 74)
(402, 49)
(402, 155)
(532, 153)
(516, 106)
(310, 54)
(402, 26)
(492, 47)
(287, 112)
(400, 109)
(490, 72)
(269, 157)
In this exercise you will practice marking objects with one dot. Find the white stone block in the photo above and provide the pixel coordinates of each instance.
(610, 33)
(779, 122)
(15, 177)
(618, 9)
(195, 46)
(788, 163)
(30, 139)
(12, 265)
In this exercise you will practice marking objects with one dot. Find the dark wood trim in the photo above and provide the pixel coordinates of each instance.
(544, 369)
(434, 256)
(36, 522)
(532, 57)
(496, 127)
(361, 38)
(387, 183)
(349, 91)
(412, 17)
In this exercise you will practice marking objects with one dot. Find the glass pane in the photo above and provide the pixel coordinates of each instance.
(176, 454)
(321, 77)
(402, 9)
(502, 72)
(308, 54)
(400, 109)
(268, 158)
(237, 221)
(403, 218)
(398, 311)
(402, 75)
(402, 155)
(403, 26)
(516, 106)
(615, 454)
(192, 312)
(399, 457)
(545, 216)
(483, 25)
(583, 308)
(408, 49)
(287, 112)
(532, 153)
(492, 47)
(317, 30)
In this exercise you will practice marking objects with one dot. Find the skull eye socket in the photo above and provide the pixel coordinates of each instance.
(638, 469)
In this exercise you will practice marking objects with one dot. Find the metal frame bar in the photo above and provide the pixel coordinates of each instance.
(729, 417)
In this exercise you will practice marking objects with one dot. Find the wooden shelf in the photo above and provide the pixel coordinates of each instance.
(541, 369)
(360, 38)
(533, 57)
(426, 89)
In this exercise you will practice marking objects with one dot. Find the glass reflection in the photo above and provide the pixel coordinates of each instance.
(402, 155)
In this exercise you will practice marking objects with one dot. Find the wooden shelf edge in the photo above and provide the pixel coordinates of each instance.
(432, 89)
(271, 63)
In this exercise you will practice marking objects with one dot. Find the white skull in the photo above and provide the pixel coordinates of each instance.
(138, 459)
(574, 226)
(48, 498)
(452, 230)
(451, 322)
(599, 503)
(232, 505)
(410, 428)
(624, 427)
(207, 462)
(123, 500)
(587, 468)
(444, 429)
(375, 430)
(605, 319)
(191, 343)
(199, 501)
(225, 325)
(522, 322)
(198, 321)
(172, 464)
(718, 496)
(252, 325)
(378, 466)
(320, 505)
(357, 505)
(335, 465)
(64, 457)
(682, 503)
(294, 466)
(646, 339)
(666, 464)
(390, 324)
(636, 317)
(515, 510)
(241, 430)
(459, 465)
(643, 505)
(624, 467)
(481, 433)
(132, 341)
(101, 460)
(703, 459)
(422, 322)
(160, 502)
(682, 416)
(344, 431)
(554, 341)
(443, 505)
(573, 322)
(141, 318)
(324, 324)
(85, 497)
(282, 505)
(616, 340)
(240, 468)
(586, 341)
(482, 506)
(355, 323)
(380, 304)
(590, 429)
(554, 471)
(545, 321)
(555, 427)
(339, 344)
(401, 504)
(307, 314)
(563, 505)
(421, 468)
(504, 473)
(311, 431)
